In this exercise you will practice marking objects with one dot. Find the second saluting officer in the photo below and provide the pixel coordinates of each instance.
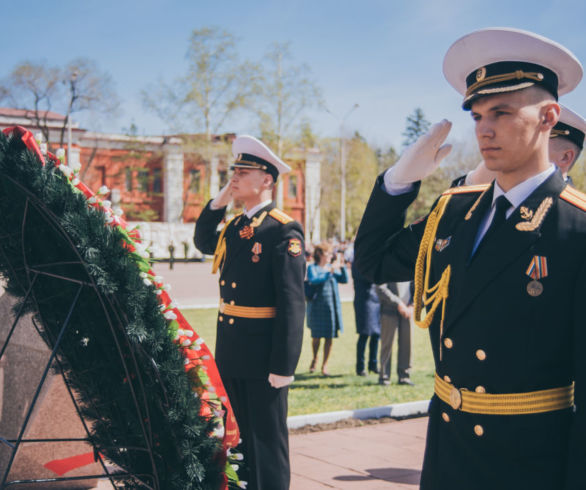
(501, 272)
(260, 256)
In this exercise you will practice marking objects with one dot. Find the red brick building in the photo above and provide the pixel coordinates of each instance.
(166, 178)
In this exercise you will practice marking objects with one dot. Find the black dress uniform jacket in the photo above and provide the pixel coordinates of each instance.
(261, 269)
(247, 347)
(496, 337)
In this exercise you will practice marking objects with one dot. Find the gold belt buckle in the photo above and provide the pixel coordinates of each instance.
(455, 398)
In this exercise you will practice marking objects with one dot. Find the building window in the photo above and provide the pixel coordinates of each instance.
(143, 180)
(102, 175)
(195, 180)
(128, 178)
(292, 188)
(157, 181)
(223, 177)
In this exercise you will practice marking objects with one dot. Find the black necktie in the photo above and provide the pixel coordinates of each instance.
(500, 216)
(244, 220)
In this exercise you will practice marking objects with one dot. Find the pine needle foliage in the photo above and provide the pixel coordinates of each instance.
(115, 352)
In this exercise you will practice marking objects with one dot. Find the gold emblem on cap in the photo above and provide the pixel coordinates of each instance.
(481, 74)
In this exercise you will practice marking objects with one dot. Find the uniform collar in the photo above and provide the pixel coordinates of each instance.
(255, 209)
(522, 191)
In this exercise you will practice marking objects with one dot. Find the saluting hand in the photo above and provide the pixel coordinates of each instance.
(480, 175)
(422, 158)
(223, 198)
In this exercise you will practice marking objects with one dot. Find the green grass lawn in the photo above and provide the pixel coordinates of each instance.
(343, 390)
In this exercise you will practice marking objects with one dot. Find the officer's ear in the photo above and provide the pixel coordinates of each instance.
(268, 182)
(550, 115)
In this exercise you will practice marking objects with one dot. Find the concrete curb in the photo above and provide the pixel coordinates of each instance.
(397, 411)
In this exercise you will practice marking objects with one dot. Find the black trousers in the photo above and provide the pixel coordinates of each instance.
(372, 352)
(261, 413)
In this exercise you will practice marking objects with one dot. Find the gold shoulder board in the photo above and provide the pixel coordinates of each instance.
(574, 197)
(466, 189)
(280, 216)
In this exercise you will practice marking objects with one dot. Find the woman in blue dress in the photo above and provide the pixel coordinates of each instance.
(324, 311)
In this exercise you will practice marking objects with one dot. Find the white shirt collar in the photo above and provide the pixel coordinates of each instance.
(250, 213)
(522, 191)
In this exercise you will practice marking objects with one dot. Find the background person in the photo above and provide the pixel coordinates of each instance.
(367, 314)
(396, 310)
(324, 312)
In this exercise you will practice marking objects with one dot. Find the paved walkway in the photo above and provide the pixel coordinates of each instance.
(383, 456)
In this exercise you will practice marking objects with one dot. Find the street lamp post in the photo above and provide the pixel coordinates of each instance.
(343, 169)
(72, 80)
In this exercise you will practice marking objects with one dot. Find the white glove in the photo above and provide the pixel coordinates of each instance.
(421, 158)
(277, 381)
(223, 198)
(480, 175)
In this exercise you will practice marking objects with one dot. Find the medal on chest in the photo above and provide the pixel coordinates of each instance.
(537, 270)
(256, 250)
(247, 231)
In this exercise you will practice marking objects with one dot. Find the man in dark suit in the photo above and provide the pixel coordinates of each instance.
(260, 322)
(501, 272)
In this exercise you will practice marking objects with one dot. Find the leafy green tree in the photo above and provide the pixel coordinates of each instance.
(285, 91)
(386, 158)
(416, 126)
(216, 85)
(361, 172)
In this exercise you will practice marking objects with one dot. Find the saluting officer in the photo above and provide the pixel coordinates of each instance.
(500, 270)
(260, 255)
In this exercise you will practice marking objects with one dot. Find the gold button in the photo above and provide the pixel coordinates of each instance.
(222, 282)
(231, 321)
(478, 430)
(481, 355)
(233, 285)
(232, 302)
(480, 389)
(221, 318)
(447, 379)
(448, 343)
(445, 416)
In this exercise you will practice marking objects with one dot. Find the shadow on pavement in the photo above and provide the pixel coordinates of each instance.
(396, 475)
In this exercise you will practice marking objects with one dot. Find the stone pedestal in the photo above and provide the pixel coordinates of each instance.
(54, 414)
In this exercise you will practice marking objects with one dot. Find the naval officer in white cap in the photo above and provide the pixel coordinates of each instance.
(567, 141)
(500, 271)
(261, 260)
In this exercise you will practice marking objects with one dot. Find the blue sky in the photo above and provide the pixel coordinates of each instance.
(384, 55)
